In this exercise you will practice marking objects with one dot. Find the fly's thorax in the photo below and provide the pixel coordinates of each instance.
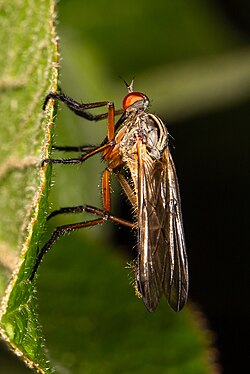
(147, 129)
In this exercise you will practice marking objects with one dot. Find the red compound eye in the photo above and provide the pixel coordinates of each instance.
(131, 98)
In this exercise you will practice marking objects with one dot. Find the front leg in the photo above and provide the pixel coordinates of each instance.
(80, 108)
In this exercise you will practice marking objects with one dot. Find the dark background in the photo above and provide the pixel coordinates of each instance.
(215, 195)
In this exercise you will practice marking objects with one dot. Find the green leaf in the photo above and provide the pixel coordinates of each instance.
(28, 70)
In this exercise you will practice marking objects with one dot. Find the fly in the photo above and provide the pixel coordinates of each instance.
(136, 150)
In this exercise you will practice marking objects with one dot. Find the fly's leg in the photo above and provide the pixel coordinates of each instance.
(77, 107)
(80, 148)
(129, 191)
(81, 159)
(104, 214)
(65, 229)
(80, 108)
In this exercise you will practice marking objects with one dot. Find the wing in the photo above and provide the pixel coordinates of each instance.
(162, 260)
(175, 283)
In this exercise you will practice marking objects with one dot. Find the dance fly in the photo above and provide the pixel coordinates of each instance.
(136, 150)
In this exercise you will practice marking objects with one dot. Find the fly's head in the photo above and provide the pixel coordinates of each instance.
(134, 101)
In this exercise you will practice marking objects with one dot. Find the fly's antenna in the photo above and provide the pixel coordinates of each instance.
(130, 86)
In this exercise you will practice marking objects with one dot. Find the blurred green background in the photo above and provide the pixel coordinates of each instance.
(193, 60)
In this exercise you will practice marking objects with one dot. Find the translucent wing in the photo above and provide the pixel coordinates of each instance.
(175, 283)
(162, 260)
